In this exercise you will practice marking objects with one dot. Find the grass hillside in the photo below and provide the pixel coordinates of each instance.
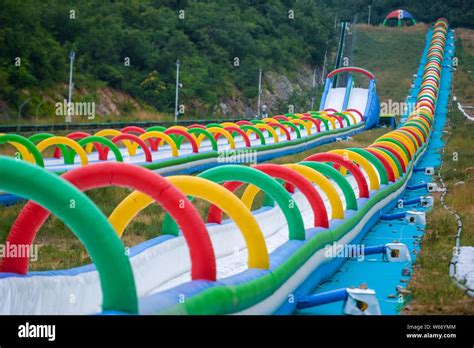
(392, 54)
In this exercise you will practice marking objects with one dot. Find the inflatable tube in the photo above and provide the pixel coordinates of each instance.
(290, 175)
(211, 192)
(351, 167)
(101, 141)
(33, 216)
(339, 179)
(271, 187)
(42, 145)
(87, 223)
(24, 146)
(131, 149)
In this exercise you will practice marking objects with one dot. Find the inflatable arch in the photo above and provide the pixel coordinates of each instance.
(99, 175)
(64, 141)
(159, 136)
(351, 167)
(88, 224)
(214, 193)
(104, 142)
(293, 177)
(25, 147)
(110, 133)
(134, 138)
(237, 175)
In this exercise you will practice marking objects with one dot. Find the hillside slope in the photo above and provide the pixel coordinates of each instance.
(133, 46)
(392, 54)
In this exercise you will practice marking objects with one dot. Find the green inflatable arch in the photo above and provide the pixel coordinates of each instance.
(392, 156)
(209, 125)
(339, 179)
(396, 142)
(375, 162)
(247, 127)
(418, 124)
(162, 129)
(344, 116)
(102, 140)
(323, 120)
(87, 222)
(26, 143)
(36, 138)
(199, 131)
(294, 127)
(264, 182)
(409, 135)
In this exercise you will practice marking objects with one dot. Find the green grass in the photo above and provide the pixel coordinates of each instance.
(392, 55)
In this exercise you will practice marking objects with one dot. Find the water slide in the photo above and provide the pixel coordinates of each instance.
(265, 261)
(356, 99)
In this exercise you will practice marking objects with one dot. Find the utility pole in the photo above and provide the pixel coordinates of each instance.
(314, 88)
(68, 119)
(335, 21)
(368, 21)
(323, 72)
(176, 101)
(259, 90)
(37, 110)
(19, 114)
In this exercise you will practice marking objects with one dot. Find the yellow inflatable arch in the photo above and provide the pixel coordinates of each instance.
(374, 182)
(164, 138)
(112, 133)
(211, 192)
(218, 130)
(64, 141)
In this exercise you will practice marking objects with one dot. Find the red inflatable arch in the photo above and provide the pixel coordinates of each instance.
(415, 135)
(351, 69)
(188, 136)
(349, 165)
(282, 127)
(195, 125)
(133, 129)
(386, 165)
(242, 122)
(290, 176)
(146, 150)
(80, 135)
(140, 131)
(233, 129)
(280, 118)
(338, 118)
(393, 152)
(315, 121)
